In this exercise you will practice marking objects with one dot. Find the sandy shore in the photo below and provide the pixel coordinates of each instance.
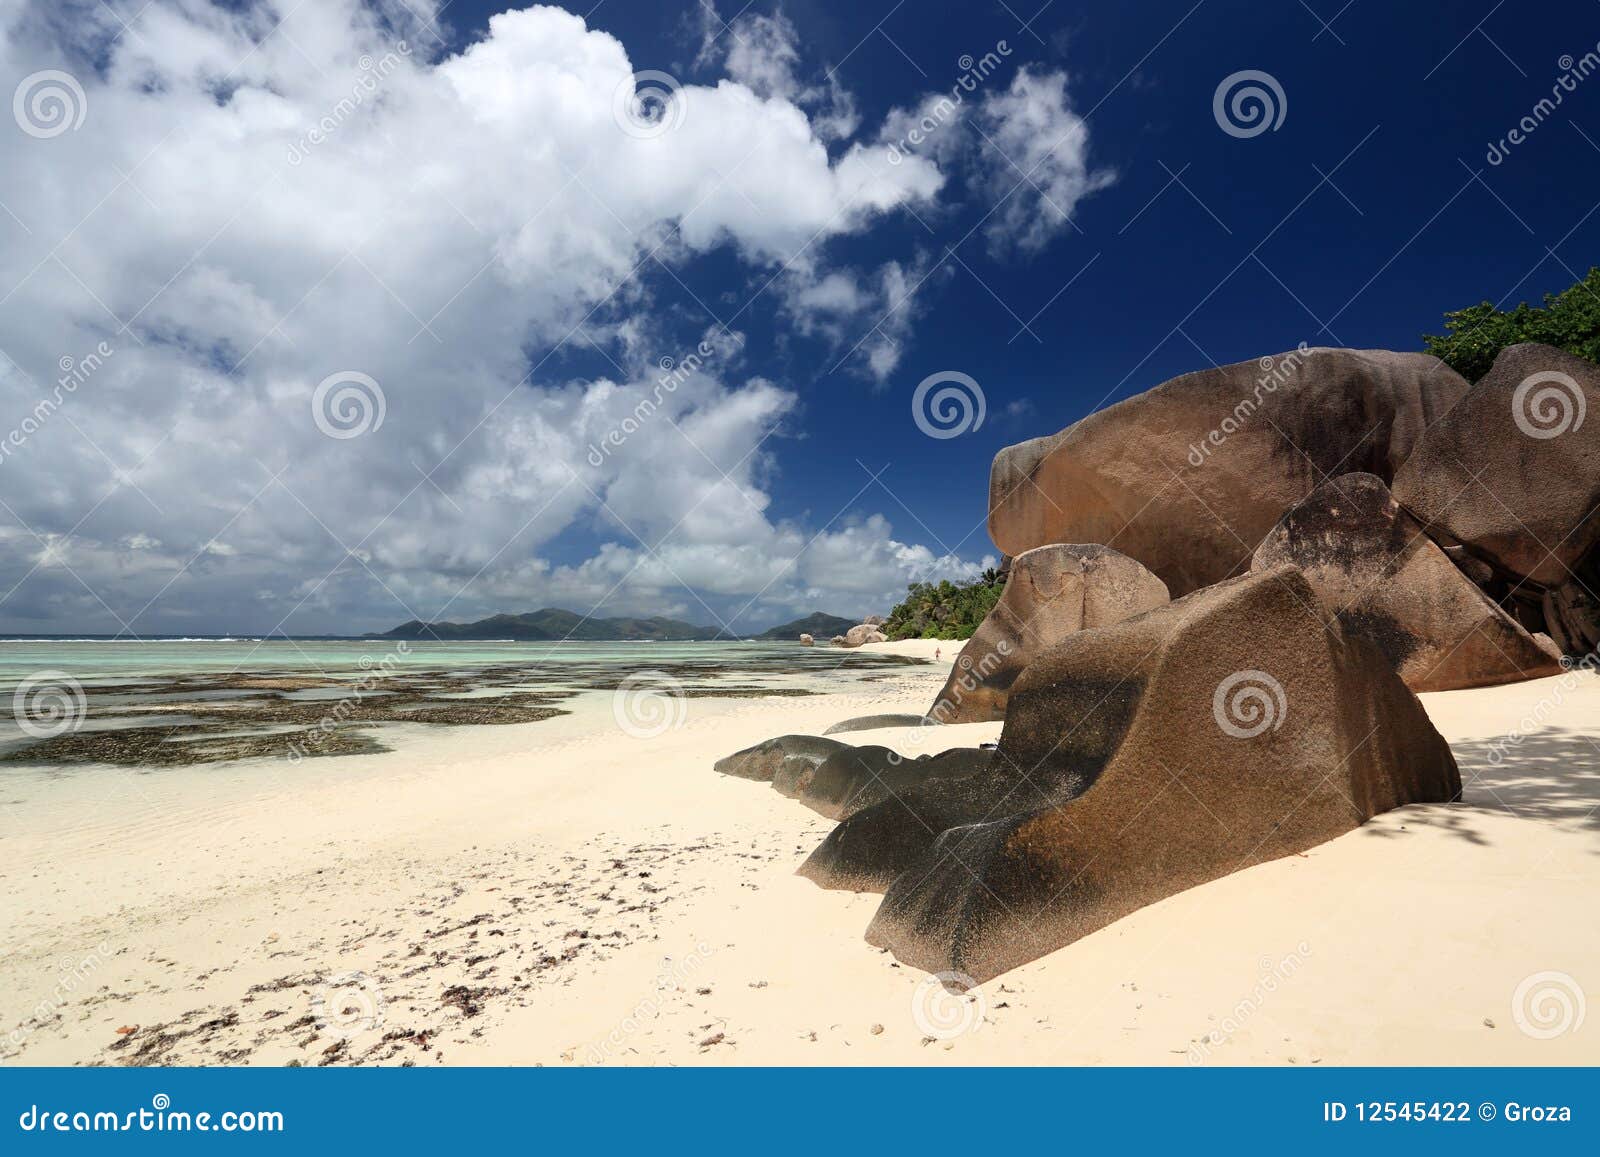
(563, 893)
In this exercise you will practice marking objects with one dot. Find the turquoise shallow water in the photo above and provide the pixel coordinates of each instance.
(97, 700)
(98, 660)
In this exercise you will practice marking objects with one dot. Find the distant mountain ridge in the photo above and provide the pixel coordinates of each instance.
(553, 624)
(818, 626)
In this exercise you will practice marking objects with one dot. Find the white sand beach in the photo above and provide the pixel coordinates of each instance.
(562, 893)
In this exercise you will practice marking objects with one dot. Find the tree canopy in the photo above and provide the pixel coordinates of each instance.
(944, 610)
(1569, 320)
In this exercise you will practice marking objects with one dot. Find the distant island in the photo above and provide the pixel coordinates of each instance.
(554, 624)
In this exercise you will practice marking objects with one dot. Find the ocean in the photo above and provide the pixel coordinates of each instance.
(182, 701)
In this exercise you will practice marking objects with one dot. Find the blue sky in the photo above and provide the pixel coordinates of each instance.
(172, 494)
(1236, 247)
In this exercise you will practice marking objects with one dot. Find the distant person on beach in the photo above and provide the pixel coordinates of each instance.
(936, 654)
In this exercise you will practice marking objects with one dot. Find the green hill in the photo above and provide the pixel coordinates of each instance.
(552, 624)
(819, 626)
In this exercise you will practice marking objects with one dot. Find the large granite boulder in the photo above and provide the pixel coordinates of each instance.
(1052, 592)
(864, 633)
(1513, 471)
(806, 640)
(1228, 728)
(1375, 569)
(1187, 477)
(764, 760)
(858, 777)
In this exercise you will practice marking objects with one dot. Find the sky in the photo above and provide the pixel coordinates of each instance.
(317, 316)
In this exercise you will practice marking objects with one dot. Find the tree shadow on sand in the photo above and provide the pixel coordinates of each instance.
(1552, 775)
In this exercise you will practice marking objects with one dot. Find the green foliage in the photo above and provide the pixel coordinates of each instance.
(1570, 320)
(944, 610)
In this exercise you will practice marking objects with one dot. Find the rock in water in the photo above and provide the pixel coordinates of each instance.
(1052, 592)
(858, 777)
(764, 760)
(1513, 472)
(806, 640)
(1372, 565)
(1187, 477)
(1225, 729)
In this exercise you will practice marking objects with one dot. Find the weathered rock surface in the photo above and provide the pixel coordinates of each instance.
(1186, 477)
(1052, 592)
(1374, 568)
(1137, 760)
(764, 760)
(872, 722)
(858, 777)
(806, 640)
(864, 633)
(1513, 471)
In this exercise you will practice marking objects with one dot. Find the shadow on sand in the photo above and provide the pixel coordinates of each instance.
(1552, 775)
